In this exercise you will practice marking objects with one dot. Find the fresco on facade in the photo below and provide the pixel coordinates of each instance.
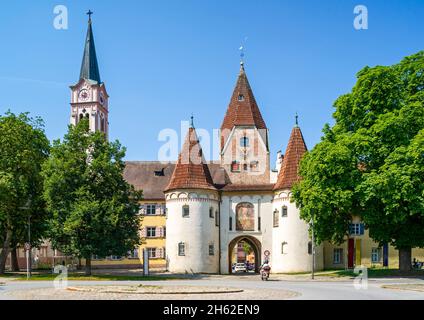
(245, 217)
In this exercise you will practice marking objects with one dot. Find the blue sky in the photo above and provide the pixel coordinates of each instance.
(163, 60)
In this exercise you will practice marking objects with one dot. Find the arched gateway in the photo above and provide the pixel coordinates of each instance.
(254, 243)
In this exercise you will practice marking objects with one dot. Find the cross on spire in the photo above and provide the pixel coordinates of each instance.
(297, 120)
(192, 121)
(89, 13)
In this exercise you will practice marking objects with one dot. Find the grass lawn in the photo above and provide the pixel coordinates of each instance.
(82, 277)
(373, 273)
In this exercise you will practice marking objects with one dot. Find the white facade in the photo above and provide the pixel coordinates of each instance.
(292, 245)
(196, 232)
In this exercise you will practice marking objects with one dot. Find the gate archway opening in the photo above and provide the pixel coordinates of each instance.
(247, 250)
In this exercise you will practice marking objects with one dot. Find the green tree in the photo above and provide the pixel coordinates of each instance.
(94, 210)
(364, 164)
(24, 148)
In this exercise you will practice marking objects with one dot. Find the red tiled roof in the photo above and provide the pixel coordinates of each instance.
(289, 173)
(245, 112)
(191, 170)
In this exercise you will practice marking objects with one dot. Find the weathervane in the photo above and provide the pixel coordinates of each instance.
(192, 121)
(242, 52)
(241, 55)
(297, 120)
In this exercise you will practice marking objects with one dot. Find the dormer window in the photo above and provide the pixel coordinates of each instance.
(241, 97)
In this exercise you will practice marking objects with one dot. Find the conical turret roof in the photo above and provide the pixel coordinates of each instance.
(191, 170)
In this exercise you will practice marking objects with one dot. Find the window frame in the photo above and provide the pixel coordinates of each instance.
(154, 229)
(211, 249)
(184, 213)
(181, 249)
(339, 254)
(284, 211)
(150, 207)
(276, 219)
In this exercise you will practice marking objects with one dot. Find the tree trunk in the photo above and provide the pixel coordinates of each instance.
(5, 252)
(88, 266)
(405, 259)
(14, 260)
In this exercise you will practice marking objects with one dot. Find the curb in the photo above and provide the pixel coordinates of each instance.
(156, 293)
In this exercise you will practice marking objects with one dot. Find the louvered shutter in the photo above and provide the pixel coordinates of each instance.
(143, 232)
(159, 252)
(362, 229)
(157, 210)
(142, 210)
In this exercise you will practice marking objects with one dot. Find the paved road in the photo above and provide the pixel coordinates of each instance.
(319, 290)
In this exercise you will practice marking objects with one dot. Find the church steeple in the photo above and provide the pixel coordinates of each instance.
(90, 66)
(89, 97)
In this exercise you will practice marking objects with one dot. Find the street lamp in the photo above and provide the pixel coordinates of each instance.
(28, 245)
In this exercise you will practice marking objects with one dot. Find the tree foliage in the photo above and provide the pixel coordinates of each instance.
(24, 148)
(94, 210)
(370, 163)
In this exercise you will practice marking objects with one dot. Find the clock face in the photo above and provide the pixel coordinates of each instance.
(102, 99)
(84, 95)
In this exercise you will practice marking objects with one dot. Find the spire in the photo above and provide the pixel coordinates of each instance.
(89, 66)
(243, 109)
(296, 148)
(191, 170)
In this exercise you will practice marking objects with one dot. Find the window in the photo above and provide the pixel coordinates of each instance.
(216, 219)
(186, 211)
(338, 256)
(151, 232)
(152, 252)
(133, 254)
(244, 142)
(231, 224)
(115, 258)
(181, 249)
(276, 219)
(150, 209)
(310, 247)
(245, 167)
(284, 211)
(259, 223)
(282, 248)
(235, 166)
(241, 97)
(245, 217)
(211, 250)
(211, 213)
(356, 229)
(375, 255)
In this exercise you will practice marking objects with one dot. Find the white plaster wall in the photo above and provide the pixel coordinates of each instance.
(263, 206)
(295, 232)
(196, 231)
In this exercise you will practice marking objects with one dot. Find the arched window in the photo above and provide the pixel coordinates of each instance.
(102, 124)
(244, 142)
(245, 217)
(81, 116)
